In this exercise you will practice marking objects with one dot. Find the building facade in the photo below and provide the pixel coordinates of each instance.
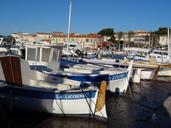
(85, 41)
(24, 37)
(44, 36)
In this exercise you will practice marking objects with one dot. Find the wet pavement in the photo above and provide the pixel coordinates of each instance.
(141, 107)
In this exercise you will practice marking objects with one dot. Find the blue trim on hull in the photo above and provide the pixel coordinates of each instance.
(65, 62)
(95, 78)
(19, 92)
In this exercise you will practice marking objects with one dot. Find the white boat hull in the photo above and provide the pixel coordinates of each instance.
(118, 86)
(118, 80)
(55, 106)
(79, 102)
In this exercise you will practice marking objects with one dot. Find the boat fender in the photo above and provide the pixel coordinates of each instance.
(101, 96)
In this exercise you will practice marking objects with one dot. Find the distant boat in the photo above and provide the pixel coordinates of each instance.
(161, 56)
(118, 80)
(139, 54)
(141, 69)
(165, 59)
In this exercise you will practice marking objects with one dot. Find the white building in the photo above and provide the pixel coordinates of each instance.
(89, 40)
(140, 40)
(44, 36)
(106, 38)
(163, 40)
(141, 33)
(25, 37)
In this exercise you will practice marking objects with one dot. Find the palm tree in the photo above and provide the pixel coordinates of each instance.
(151, 39)
(146, 39)
(119, 36)
(154, 39)
(130, 34)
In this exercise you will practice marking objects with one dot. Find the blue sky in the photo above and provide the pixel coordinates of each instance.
(87, 15)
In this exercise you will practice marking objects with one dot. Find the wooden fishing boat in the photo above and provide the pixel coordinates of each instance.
(28, 89)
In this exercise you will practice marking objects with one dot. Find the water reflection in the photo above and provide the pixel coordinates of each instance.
(20, 119)
(71, 122)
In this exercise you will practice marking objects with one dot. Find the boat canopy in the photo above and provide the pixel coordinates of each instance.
(42, 53)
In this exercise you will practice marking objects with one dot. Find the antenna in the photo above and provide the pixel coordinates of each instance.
(69, 22)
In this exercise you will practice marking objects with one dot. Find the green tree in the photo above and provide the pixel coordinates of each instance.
(112, 39)
(161, 31)
(106, 32)
(151, 39)
(119, 36)
(2, 36)
(147, 38)
(154, 39)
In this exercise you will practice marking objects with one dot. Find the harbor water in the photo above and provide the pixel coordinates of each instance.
(141, 107)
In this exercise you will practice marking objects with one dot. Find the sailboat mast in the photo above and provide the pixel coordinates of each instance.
(168, 42)
(69, 22)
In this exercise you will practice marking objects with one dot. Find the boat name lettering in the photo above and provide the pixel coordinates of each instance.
(119, 76)
(69, 96)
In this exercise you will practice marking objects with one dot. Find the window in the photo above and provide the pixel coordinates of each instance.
(31, 54)
(45, 54)
(87, 40)
(55, 55)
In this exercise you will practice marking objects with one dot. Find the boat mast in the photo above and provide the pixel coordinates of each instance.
(168, 42)
(69, 22)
